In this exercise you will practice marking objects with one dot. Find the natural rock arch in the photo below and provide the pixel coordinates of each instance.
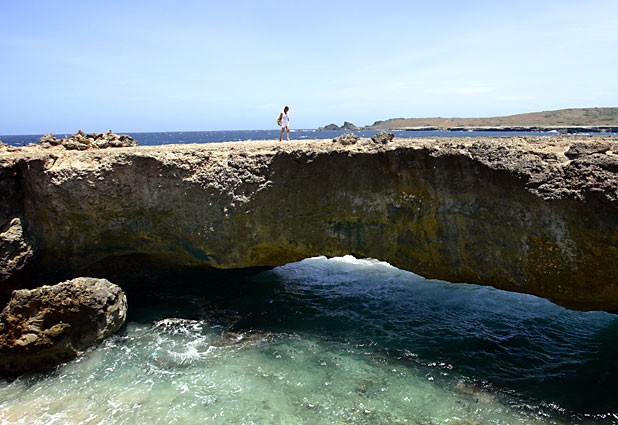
(534, 215)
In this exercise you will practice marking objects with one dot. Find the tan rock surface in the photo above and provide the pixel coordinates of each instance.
(531, 214)
(43, 327)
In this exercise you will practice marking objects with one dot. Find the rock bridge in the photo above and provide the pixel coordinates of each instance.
(530, 214)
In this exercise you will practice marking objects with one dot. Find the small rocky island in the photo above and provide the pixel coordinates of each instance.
(529, 214)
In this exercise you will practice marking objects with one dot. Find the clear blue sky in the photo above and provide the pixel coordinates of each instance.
(201, 65)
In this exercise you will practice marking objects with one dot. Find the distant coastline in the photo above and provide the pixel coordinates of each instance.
(564, 121)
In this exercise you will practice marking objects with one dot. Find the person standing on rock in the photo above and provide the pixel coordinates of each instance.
(284, 122)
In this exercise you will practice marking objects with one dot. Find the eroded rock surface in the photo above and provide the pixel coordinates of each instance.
(49, 325)
(531, 214)
(82, 141)
(14, 249)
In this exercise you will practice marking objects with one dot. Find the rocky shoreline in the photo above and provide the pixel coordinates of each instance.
(529, 214)
(348, 126)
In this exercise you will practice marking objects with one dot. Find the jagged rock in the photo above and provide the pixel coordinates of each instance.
(349, 126)
(49, 139)
(14, 250)
(579, 149)
(346, 139)
(82, 141)
(383, 137)
(49, 325)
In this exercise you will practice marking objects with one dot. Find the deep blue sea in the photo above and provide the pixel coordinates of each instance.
(330, 341)
(162, 138)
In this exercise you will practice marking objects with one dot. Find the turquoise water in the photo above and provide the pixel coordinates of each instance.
(333, 341)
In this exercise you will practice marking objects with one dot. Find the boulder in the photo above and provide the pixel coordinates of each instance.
(383, 137)
(49, 325)
(346, 139)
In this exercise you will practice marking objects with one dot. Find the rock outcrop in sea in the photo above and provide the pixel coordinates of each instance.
(334, 127)
(529, 214)
(49, 325)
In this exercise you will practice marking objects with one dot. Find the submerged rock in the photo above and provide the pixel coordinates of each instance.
(49, 325)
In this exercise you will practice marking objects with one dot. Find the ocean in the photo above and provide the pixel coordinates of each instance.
(329, 341)
(332, 341)
(162, 138)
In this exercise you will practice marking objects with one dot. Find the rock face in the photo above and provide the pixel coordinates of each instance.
(535, 215)
(14, 250)
(50, 325)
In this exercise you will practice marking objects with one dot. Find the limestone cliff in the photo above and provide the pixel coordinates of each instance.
(535, 215)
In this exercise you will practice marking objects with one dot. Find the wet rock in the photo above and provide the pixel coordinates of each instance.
(49, 325)
(383, 137)
(346, 139)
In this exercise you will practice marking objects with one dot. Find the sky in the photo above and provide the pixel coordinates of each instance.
(134, 66)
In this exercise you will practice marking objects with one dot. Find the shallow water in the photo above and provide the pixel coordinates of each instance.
(333, 341)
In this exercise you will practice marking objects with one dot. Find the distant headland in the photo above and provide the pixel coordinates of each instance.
(572, 120)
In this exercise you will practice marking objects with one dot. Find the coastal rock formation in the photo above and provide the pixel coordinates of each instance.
(383, 137)
(530, 214)
(49, 325)
(346, 139)
(334, 127)
(82, 141)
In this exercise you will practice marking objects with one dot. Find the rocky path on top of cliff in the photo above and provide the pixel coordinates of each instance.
(554, 167)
